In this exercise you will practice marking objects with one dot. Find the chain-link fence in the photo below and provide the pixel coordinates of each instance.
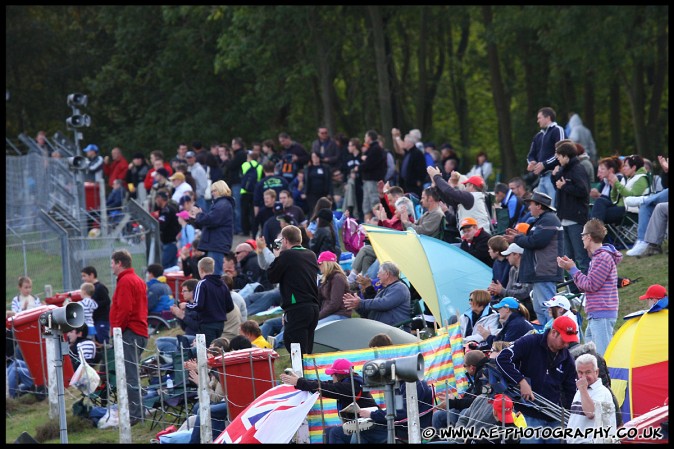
(50, 237)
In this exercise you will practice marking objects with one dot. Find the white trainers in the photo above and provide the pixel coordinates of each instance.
(634, 201)
(638, 248)
(351, 278)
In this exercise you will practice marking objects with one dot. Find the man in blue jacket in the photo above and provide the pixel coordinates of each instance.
(541, 363)
(391, 304)
(543, 243)
(541, 158)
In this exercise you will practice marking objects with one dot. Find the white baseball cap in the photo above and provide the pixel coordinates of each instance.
(558, 301)
(513, 248)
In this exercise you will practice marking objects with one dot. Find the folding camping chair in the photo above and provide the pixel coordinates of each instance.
(177, 402)
(625, 232)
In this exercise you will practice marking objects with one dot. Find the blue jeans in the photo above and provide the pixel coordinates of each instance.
(236, 194)
(18, 374)
(218, 258)
(261, 301)
(646, 210)
(600, 331)
(102, 331)
(374, 268)
(545, 186)
(331, 318)
(543, 291)
(273, 326)
(169, 255)
(218, 421)
(573, 246)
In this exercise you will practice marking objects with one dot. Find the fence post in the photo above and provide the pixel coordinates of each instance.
(413, 430)
(122, 395)
(205, 432)
(302, 435)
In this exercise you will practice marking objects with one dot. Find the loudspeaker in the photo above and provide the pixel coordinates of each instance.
(410, 369)
(78, 162)
(66, 318)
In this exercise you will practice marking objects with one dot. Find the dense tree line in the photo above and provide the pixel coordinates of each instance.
(471, 75)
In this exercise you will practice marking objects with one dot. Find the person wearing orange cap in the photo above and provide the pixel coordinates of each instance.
(468, 202)
(474, 240)
(341, 390)
(655, 294)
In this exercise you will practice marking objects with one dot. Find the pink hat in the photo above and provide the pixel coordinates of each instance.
(183, 214)
(339, 366)
(327, 256)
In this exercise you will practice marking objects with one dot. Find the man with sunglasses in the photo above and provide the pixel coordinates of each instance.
(542, 364)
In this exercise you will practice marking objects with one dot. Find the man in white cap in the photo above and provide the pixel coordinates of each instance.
(517, 289)
(559, 305)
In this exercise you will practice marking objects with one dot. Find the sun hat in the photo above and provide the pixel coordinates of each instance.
(477, 181)
(503, 412)
(468, 221)
(542, 199)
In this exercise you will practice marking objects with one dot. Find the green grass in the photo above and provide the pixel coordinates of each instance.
(25, 414)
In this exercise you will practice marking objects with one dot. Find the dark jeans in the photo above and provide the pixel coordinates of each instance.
(102, 331)
(134, 345)
(169, 255)
(247, 217)
(573, 246)
(218, 421)
(606, 211)
(300, 325)
(211, 331)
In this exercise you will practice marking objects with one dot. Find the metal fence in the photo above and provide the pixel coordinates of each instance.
(50, 236)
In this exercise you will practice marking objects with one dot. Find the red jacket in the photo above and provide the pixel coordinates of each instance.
(129, 304)
(116, 170)
(149, 179)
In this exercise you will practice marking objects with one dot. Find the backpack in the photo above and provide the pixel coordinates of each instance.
(250, 178)
(353, 235)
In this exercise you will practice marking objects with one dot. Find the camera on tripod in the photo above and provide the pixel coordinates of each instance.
(387, 372)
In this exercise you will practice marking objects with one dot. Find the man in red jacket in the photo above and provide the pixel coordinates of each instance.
(115, 168)
(129, 313)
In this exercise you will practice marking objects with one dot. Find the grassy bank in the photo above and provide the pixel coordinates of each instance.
(27, 415)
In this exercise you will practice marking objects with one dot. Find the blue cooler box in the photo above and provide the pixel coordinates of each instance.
(345, 261)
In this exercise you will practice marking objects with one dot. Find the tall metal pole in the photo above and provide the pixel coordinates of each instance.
(58, 363)
(389, 400)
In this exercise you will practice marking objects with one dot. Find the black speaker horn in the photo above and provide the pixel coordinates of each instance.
(78, 162)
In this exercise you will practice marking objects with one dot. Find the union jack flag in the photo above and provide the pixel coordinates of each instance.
(274, 417)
